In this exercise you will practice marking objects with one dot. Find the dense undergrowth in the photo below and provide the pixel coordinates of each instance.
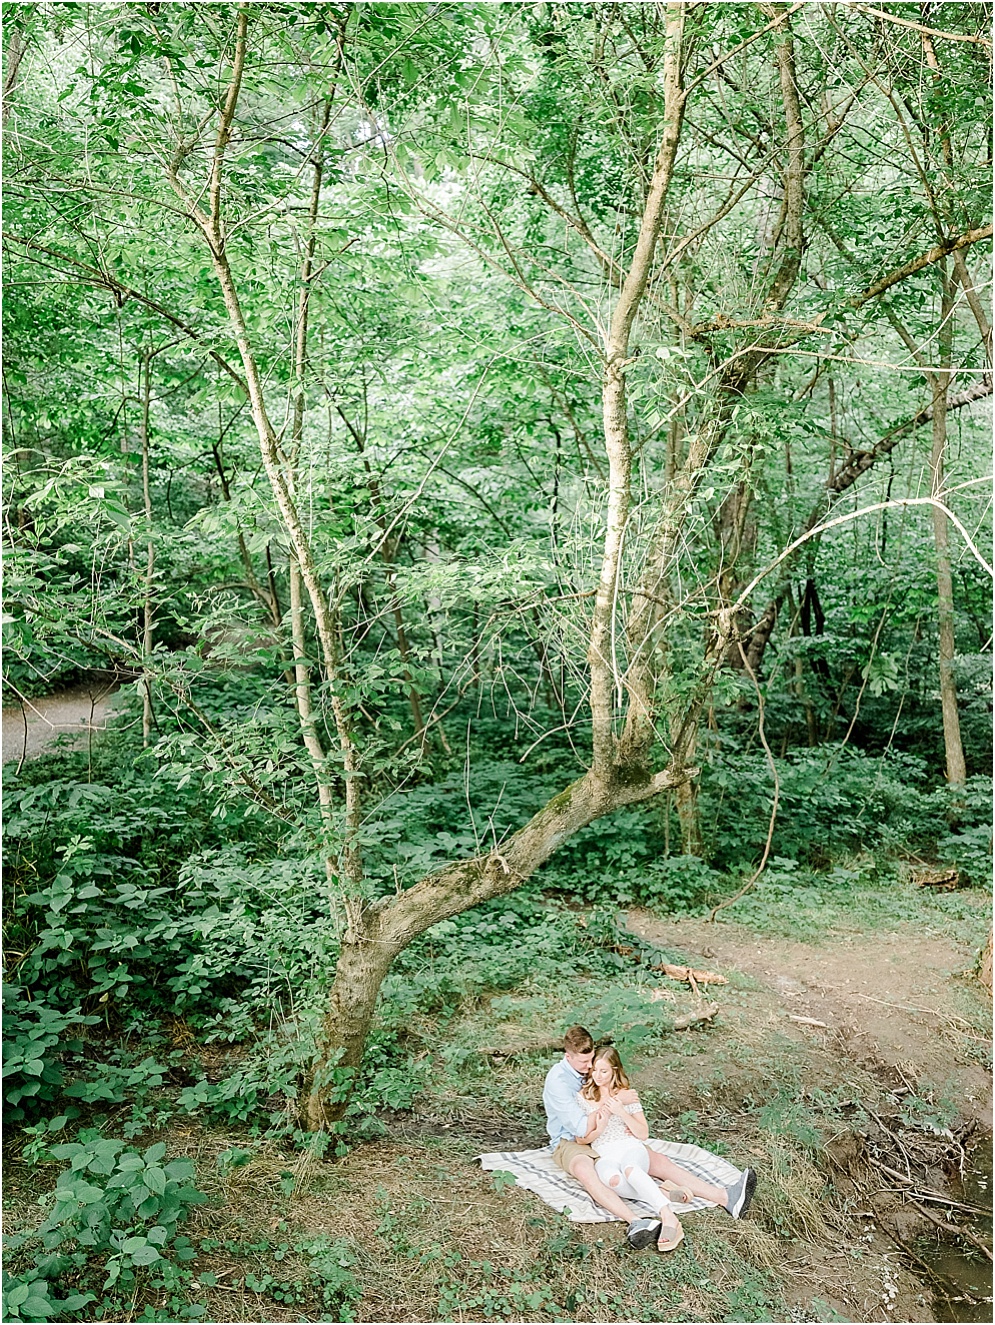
(167, 959)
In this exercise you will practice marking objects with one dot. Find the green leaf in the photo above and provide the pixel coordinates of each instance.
(147, 1255)
(155, 1180)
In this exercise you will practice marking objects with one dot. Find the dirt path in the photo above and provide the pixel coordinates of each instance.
(76, 714)
(904, 1006)
(895, 1026)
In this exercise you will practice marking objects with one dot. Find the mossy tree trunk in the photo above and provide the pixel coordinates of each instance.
(384, 928)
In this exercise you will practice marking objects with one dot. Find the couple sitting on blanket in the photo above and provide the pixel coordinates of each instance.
(598, 1129)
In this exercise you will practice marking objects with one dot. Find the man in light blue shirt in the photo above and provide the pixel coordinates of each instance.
(567, 1124)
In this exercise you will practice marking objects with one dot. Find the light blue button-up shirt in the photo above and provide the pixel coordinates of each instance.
(565, 1117)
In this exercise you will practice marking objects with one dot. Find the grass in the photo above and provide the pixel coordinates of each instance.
(407, 1227)
(856, 898)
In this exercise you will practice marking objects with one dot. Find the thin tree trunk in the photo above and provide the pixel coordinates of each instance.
(954, 749)
(606, 679)
(689, 812)
(277, 469)
(305, 713)
(148, 611)
(985, 964)
(14, 55)
(302, 671)
(647, 665)
(383, 930)
(268, 599)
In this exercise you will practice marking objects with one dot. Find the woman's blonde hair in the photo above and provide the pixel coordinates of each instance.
(609, 1055)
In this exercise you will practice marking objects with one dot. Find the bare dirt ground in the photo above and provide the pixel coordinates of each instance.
(896, 1004)
(890, 1021)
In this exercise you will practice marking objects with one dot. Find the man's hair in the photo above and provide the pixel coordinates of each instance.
(578, 1041)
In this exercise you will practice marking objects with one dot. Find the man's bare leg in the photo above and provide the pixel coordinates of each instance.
(583, 1170)
(662, 1167)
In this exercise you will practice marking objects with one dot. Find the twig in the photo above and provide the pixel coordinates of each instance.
(957, 1229)
(908, 1007)
(926, 1195)
(943, 1282)
(689, 976)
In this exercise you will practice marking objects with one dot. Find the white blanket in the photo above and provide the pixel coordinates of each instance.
(536, 1172)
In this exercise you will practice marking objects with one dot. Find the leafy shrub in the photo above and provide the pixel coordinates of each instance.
(35, 1044)
(263, 1084)
(115, 1213)
(29, 1297)
(499, 945)
(678, 883)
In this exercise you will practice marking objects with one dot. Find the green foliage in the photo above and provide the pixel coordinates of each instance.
(494, 1292)
(29, 1297)
(115, 1214)
(452, 484)
(34, 1042)
(330, 1264)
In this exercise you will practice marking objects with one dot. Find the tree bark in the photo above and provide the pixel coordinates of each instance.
(302, 670)
(148, 618)
(953, 747)
(985, 964)
(15, 54)
(388, 926)
(606, 677)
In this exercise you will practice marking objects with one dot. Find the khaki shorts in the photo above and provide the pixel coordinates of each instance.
(567, 1151)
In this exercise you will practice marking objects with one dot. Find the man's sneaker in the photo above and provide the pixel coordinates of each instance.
(643, 1233)
(740, 1194)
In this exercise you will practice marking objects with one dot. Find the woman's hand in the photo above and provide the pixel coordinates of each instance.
(595, 1126)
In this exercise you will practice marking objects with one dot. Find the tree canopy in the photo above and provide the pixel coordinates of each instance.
(553, 408)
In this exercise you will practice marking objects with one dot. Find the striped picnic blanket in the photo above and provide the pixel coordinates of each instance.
(535, 1171)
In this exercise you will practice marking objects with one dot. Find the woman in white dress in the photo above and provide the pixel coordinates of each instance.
(616, 1130)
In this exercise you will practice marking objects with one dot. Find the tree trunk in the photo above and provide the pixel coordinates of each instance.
(382, 930)
(692, 842)
(954, 749)
(147, 613)
(646, 666)
(618, 777)
(607, 683)
(985, 964)
(736, 534)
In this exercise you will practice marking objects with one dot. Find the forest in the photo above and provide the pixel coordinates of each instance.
(517, 478)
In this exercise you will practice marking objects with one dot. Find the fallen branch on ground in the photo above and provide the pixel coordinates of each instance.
(689, 976)
(941, 878)
(925, 1194)
(957, 1229)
